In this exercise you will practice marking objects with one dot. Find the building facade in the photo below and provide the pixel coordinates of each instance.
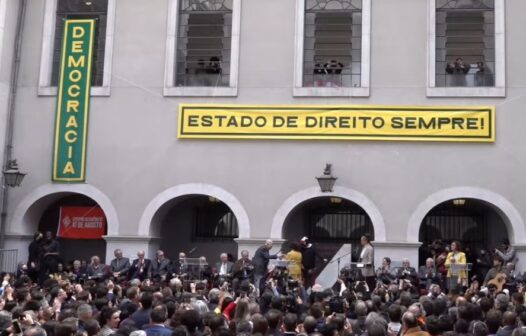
(158, 190)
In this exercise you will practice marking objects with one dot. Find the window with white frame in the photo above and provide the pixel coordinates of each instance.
(203, 43)
(80, 9)
(56, 12)
(332, 56)
(202, 47)
(465, 43)
(332, 45)
(466, 47)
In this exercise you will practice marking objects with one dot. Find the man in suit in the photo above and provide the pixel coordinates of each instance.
(160, 266)
(406, 272)
(96, 270)
(260, 262)
(203, 271)
(309, 255)
(141, 267)
(141, 317)
(223, 270)
(242, 270)
(179, 266)
(509, 323)
(428, 274)
(158, 316)
(367, 259)
(119, 266)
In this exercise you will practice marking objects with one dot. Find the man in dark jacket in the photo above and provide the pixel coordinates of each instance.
(141, 267)
(242, 270)
(142, 316)
(309, 255)
(158, 316)
(34, 250)
(260, 262)
(161, 266)
(509, 323)
(119, 266)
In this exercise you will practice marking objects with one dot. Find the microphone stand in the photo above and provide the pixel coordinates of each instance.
(338, 261)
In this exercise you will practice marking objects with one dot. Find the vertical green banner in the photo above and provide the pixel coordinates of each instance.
(71, 127)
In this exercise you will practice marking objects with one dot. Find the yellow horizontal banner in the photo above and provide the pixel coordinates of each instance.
(349, 122)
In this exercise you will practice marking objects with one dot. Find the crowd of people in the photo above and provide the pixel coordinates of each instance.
(160, 297)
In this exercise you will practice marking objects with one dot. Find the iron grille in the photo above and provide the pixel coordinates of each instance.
(332, 43)
(215, 221)
(339, 225)
(449, 225)
(203, 43)
(465, 43)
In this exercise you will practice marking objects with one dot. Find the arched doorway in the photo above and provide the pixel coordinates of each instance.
(79, 223)
(477, 224)
(197, 224)
(329, 222)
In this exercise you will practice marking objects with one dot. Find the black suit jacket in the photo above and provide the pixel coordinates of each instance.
(141, 273)
(241, 268)
(261, 259)
(122, 266)
(161, 268)
(179, 268)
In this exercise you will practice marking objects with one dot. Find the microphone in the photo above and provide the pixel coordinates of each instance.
(192, 250)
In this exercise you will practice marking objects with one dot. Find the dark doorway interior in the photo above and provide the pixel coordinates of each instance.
(476, 224)
(329, 222)
(72, 249)
(199, 225)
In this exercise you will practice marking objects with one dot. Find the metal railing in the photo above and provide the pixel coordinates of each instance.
(8, 260)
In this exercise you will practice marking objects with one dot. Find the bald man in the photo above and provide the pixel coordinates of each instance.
(260, 262)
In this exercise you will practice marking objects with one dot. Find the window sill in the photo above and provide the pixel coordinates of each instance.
(97, 91)
(487, 92)
(331, 92)
(199, 91)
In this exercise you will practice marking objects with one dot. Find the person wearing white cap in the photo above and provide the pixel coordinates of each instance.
(309, 256)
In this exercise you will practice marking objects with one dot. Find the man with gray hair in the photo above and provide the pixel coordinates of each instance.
(242, 270)
(84, 314)
(224, 268)
(410, 326)
(141, 267)
(358, 324)
(35, 331)
(120, 265)
(260, 262)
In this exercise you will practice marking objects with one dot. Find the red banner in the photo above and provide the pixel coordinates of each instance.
(81, 223)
